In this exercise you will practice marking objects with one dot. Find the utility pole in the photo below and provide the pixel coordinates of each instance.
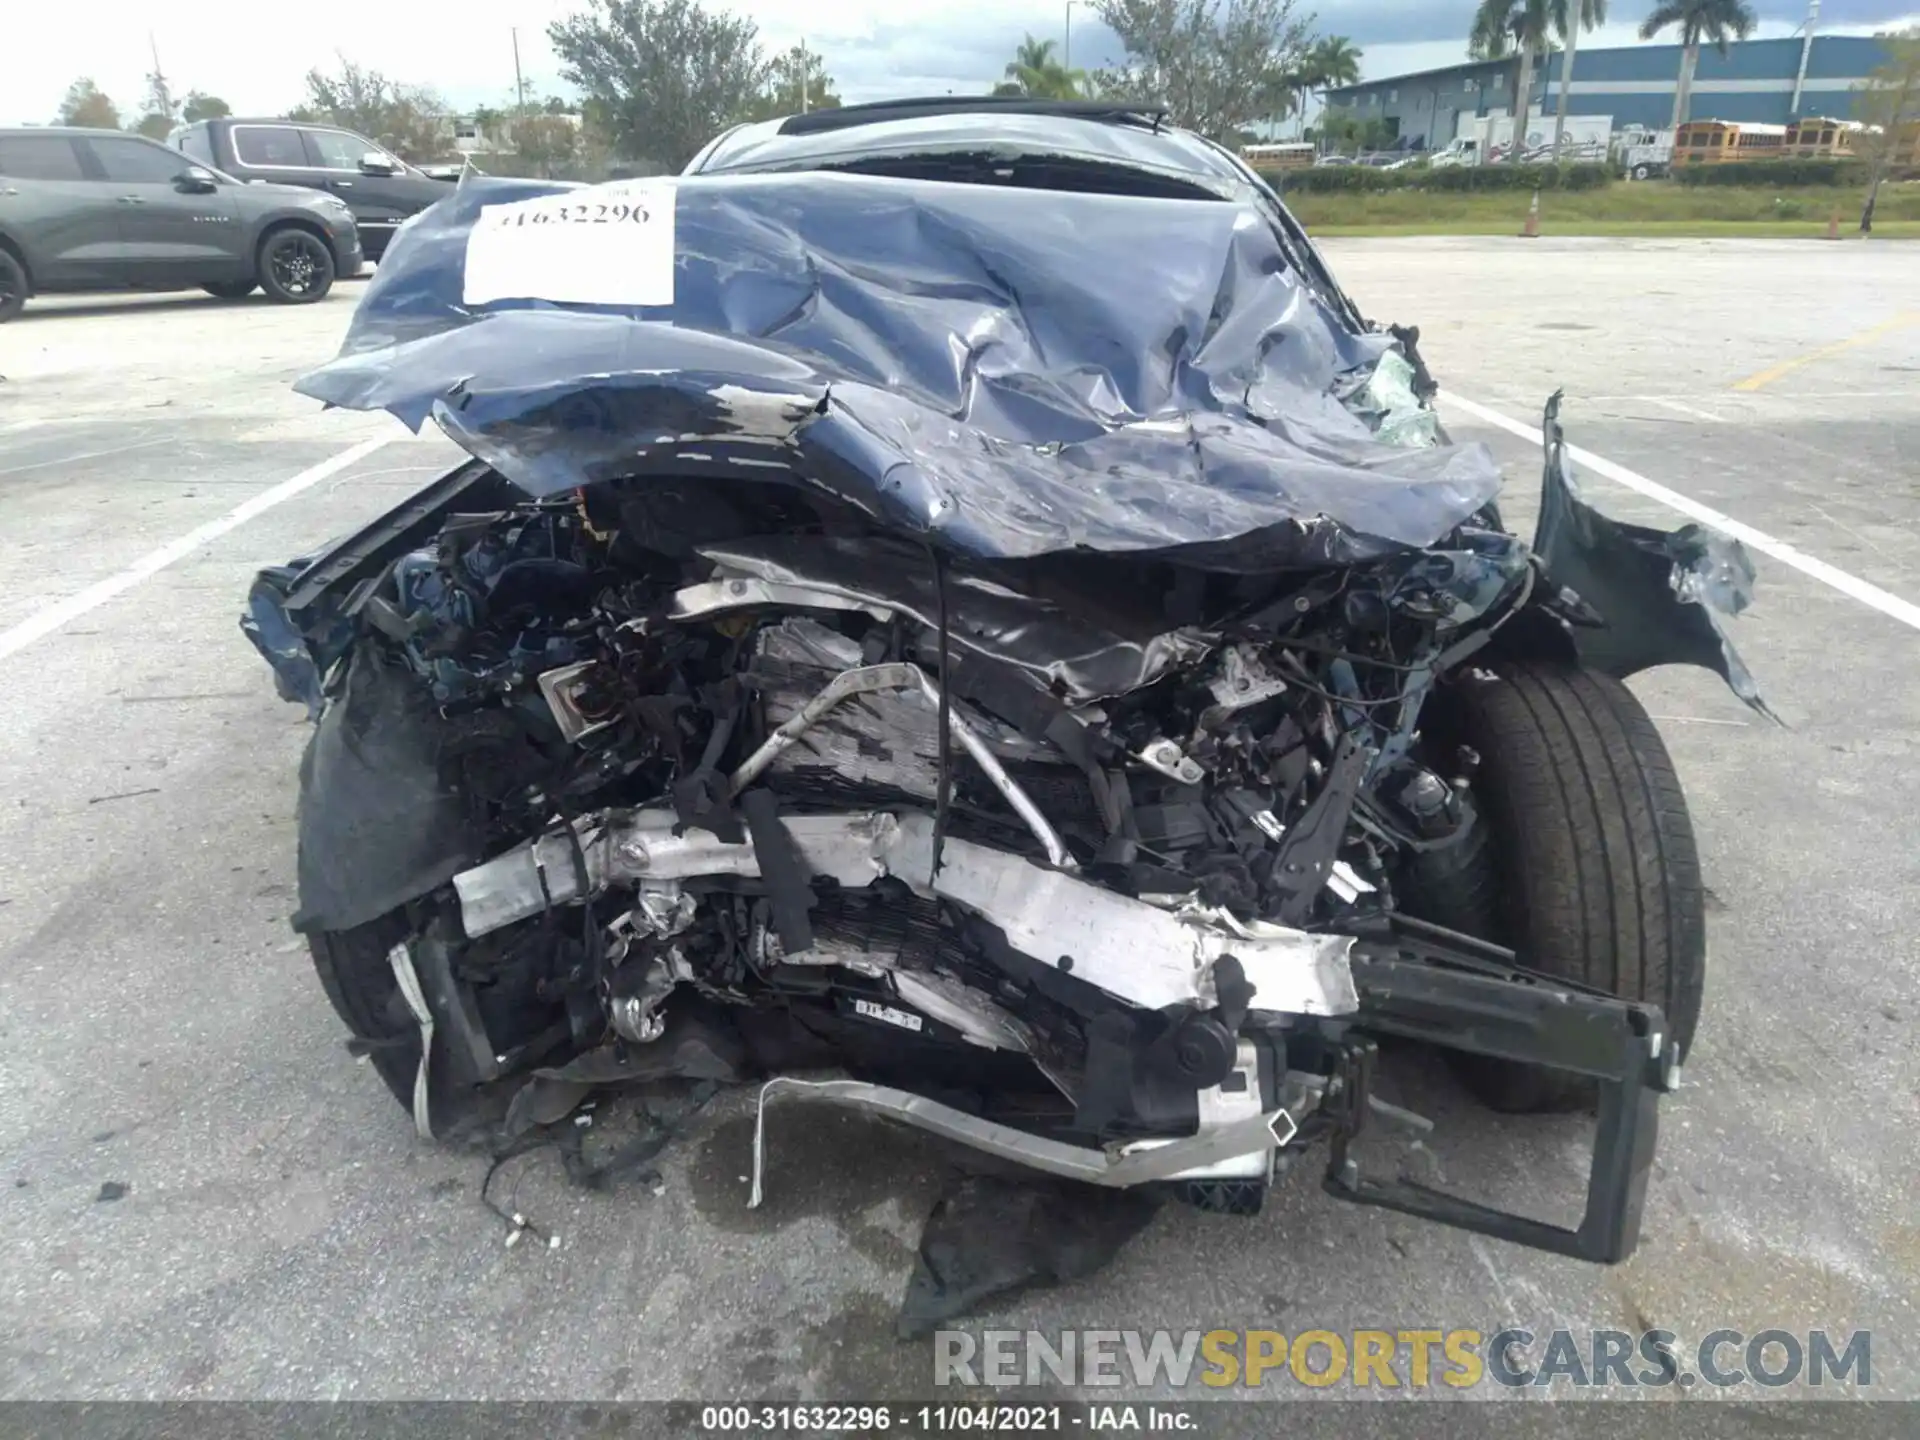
(519, 84)
(803, 74)
(157, 90)
(1066, 44)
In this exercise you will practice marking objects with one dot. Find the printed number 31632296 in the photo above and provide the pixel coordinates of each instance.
(599, 213)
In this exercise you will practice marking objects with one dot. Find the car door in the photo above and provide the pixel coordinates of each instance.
(68, 223)
(380, 195)
(171, 232)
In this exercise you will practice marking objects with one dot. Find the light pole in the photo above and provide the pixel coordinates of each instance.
(1806, 49)
(1066, 46)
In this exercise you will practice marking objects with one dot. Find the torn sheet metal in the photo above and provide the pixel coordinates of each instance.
(1664, 596)
(1011, 372)
(301, 656)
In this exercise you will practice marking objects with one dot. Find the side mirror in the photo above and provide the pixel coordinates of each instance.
(374, 163)
(196, 181)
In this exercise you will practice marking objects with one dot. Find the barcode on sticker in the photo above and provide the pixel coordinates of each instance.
(599, 245)
(905, 1019)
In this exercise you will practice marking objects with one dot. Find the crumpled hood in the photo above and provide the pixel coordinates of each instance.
(1005, 372)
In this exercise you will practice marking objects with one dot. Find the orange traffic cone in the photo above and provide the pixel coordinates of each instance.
(1531, 230)
(1833, 226)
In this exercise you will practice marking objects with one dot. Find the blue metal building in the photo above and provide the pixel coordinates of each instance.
(1757, 80)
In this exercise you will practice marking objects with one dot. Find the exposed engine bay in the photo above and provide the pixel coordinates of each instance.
(996, 834)
(837, 774)
(1091, 771)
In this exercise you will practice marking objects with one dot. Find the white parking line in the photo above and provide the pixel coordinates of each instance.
(1681, 408)
(88, 455)
(45, 621)
(1852, 586)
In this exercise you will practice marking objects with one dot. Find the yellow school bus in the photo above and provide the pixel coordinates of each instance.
(1718, 142)
(1820, 138)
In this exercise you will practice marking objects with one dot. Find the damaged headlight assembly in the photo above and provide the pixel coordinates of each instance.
(1075, 732)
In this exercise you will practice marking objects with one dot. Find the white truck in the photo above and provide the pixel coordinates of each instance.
(1483, 139)
(1644, 153)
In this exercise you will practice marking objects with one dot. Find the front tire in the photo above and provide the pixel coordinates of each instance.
(1585, 862)
(295, 266)
(356, 973)
(13, 286)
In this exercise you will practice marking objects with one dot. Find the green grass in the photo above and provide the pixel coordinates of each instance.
(1643, 229)
(1649, 208)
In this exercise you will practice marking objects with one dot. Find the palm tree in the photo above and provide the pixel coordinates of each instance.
(1330, 61)
(1033, 71)
(1593, 14)
(1697, 20)
(1335, 60)
(1506, 27)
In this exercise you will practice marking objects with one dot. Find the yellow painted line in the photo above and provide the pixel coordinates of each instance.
(1787, 367)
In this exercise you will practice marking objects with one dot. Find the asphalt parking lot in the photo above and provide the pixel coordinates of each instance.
(204, 1196)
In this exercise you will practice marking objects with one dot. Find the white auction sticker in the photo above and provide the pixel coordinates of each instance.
(601, 245)
(905, 1019)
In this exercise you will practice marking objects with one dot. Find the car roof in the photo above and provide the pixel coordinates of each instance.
(1132, 136)
(91, 132)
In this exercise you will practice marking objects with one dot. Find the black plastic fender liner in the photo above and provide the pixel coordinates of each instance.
(377, 828)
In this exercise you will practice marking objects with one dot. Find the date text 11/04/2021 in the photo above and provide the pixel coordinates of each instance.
(932, 1419)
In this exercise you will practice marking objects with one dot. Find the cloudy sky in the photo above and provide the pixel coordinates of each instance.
(246, 52)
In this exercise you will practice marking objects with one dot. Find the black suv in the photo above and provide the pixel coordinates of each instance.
(103, 210)
(381, 189)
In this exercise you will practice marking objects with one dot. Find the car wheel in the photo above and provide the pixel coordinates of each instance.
(231, 289)
(507, 995)
(356, 972)
(295, 267)
(1641, 172)
(13, 287)
(1583, 862)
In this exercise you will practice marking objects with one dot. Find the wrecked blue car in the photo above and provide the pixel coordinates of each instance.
(954, 613)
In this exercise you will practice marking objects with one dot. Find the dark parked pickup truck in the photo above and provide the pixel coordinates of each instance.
(379, 187)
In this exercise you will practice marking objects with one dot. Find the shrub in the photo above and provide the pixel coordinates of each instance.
(1366, 179)
(1774, 173)
(1335, 179)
